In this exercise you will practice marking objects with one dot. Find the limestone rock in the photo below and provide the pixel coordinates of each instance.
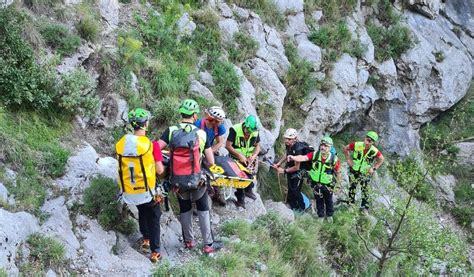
(253, 209)
(109, 10)
(185, 25)
(206, 79)
(428, 8)
(281, 209)
(344, 73)
(3, 193)
(197, 88)
(296, 25)
(241, 14)
(5, 3)
(113, 111)
(107, 167)
(228, 28)
(445, 188)
(466, 152)
(309, 52)
(72, 62)
(59, 226)
(14, 229)
(461, 12)
(225, 10)
(285, 6)
(247, 94)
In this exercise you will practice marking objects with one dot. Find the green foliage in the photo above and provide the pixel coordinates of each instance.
(88, 28)
(299, 80)
(227, 86)
(78, 93)
(206, 17)
(3, 272)
(390, 42)
(165, 111)
(333, 10)
(266, 9)
(41, 6)
(45, 252)
(22, 81)
(244, 48)
(131, 57)
(101, 202)
(410, 176)
(29, 143)
(265, 110)
(386, 13)
(270, 187)
(58, 37)
(439, 56)
(192, 268)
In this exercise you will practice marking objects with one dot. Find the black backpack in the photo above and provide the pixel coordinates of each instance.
(304, 149)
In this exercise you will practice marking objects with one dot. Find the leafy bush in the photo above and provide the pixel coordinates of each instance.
(408, 173)
(130, 52)
(101, 202)
(41, 6)
(227, 86)
(389, 42)
(206, 17)
(333, 10)
(245, 47)
(78, 93)
(265, 110)
(88, 28)
(266, 9)
(22, 82)
(59, 38)
(335, 37)
(299, 80)
(45, 252)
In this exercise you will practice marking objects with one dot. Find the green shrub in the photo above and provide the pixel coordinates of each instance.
(172, 79)
(41, 6)
(299, 80)
(130, 51)
(333, 10)
(22, 82)
(390, 42)
(101, 202)
(245, 47)
(191, 268)
(59, 38)
(207, 17)
(266, 9)
(227, 86)
(165, 111)
(78, 93)
(335, 36)
(88, 28)
(265, 111)
(407, 173)
(45, 252)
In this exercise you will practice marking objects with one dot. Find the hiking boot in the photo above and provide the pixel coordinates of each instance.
(219, 200)
(190, 244)
(250, 195)
(240, 203)
(146, 244)
(155, 257)
(329, 219)
(215, 246)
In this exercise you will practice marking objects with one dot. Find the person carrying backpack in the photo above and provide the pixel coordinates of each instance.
(292, 169)
(363, 163)
(324, 166)
(187, 143)
(212, 124)
(139, 161)
(243, 144)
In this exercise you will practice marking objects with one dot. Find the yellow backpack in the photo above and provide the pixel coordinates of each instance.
(137, 179)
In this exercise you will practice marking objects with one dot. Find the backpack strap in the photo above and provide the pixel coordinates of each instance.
(121, 173)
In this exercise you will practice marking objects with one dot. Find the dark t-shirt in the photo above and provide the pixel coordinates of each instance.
(166, 138)
(294, 150)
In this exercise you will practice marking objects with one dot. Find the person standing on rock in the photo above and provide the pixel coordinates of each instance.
(213, 125)
(187, 143)
(139, 161)
(324, 166)
(363, 163)
(292, 169)
(243, 144)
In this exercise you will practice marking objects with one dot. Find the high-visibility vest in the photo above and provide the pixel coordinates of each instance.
(362, 163)
(244, 147)
(322, 172)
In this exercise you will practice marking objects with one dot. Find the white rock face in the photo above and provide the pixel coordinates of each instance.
(225, 10)
(428, 8)
(228, 27)
(445, 186)
(5, 3)
(281, 209)
(461, 12)
(113, 111)
(109, 10)
(247, 94)
(296, 25)
(14, 229)
(185, 25)
(108, 167)
(72, 62)
(79, 168)
(289, 5)
(97, 253)
(206, 79)
(3, 193)
(59, 226)
(466, 152)
(309, 52)
(200, 90)
(344, 73)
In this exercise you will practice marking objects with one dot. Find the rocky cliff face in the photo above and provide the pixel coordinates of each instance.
(410, 91)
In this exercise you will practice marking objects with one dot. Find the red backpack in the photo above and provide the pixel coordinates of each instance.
(185, 156)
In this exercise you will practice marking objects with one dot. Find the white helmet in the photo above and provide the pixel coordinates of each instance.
(216, 112)
(290, 133)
